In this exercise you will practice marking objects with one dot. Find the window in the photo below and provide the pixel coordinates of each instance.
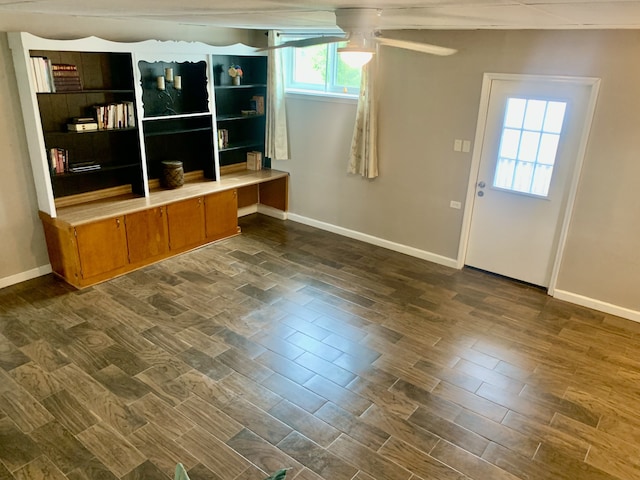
(530, 136)
(319, 69)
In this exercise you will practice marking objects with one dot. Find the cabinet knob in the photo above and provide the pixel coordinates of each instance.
(118, 222)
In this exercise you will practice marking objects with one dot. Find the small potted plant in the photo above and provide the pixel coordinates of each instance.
(235, 72)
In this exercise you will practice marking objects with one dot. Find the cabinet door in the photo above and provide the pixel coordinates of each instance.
(186, 223)
(221, 212)
(147, 234)
(102, 246)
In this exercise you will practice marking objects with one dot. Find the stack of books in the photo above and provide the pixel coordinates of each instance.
(84, 167)
(66, 78)
(82, 124)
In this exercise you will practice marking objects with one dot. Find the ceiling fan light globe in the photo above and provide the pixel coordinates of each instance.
(355, 58)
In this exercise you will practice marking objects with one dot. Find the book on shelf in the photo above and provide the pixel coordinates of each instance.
(66, 77)
(84, 167)
(115, 115)
(254, 160)
(223, 138)
(257, 102)
(82, 127)
(59, 160)
(248, 112)
(42, 74)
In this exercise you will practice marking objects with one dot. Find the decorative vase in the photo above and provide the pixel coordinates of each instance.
(172, 174)
(236, 80)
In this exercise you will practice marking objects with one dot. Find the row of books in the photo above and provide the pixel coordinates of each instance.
(115, 115)
(59, 160)
(55, 77)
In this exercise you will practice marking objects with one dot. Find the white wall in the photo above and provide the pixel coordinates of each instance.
(427, 102)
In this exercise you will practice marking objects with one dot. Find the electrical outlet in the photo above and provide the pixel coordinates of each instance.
(456, 205)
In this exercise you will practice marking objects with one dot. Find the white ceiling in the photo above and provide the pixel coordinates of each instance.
(317, 15)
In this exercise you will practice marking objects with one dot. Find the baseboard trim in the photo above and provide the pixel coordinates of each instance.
(272, 212)
(24, 276)
(380, 242)
(244, 211)
(597, 305)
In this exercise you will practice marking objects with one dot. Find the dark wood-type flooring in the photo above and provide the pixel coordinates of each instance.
(292, 347)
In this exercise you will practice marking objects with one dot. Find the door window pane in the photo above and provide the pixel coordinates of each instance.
(529, 145)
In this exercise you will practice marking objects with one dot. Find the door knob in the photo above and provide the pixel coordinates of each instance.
(481, 184)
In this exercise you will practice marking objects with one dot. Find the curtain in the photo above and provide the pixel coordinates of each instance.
(277, 137)
(363, 159)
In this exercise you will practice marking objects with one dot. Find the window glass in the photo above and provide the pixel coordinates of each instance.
(319, 69)
(529, 145)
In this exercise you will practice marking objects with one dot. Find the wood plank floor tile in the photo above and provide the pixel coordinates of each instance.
(44, 354)
(262, 454)
(416, 461)
(296, 393)
(61, 447)
(25, 411)
(35, 380)
(146, 471)
(69, 411)
(213, 453)
(111, 448)
(16, 448)
(402, 429)
(162, 448)
(209, 418)
(367, 460)
(355, 427)
(39, 469)
(316, 458)
(340, 396)
(251, 391)
(292, 346)
(471, 465)
(310, 426)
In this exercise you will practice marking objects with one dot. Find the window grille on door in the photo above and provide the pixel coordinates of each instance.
(530, 136)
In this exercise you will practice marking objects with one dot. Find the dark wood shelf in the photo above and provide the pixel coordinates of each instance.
(107, 168)
(236, 116)
(241, 145)
(88, 91)
(241, 86)
(88, 132)
(177, 131)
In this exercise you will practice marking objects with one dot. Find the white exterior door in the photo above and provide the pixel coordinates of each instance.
(532, 138)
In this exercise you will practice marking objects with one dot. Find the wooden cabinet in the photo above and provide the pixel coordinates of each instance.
(147, 234)
(186, 224)
(102, 246)
(221, 214)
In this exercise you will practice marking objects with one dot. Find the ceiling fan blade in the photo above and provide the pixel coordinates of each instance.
(306, 42)
(416, 46)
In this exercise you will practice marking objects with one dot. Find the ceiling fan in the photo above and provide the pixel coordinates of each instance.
(360, 26)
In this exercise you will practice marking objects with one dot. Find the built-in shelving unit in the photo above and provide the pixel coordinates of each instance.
(171, 99)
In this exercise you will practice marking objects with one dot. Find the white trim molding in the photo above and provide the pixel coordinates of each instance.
(380, 242)
(597, 305)
(272, 212)
(24, 276)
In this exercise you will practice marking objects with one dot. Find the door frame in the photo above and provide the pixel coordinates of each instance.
(487, 82)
